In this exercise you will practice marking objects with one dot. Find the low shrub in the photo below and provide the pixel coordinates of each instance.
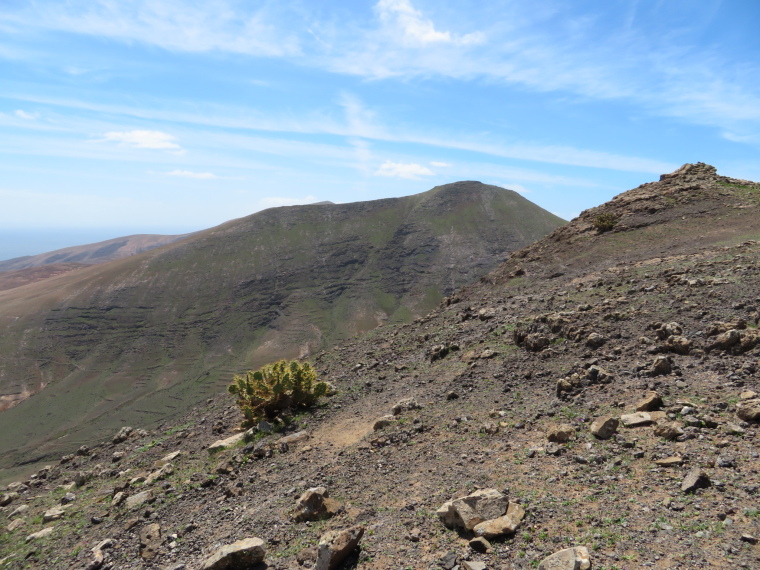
(276, 389)
(605, 222)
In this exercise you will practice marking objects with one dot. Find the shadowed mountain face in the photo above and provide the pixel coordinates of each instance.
(142, 337)
(89, 254)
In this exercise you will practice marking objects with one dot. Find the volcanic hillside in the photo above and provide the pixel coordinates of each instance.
(140, 338)
(22, 270)
(524, 386)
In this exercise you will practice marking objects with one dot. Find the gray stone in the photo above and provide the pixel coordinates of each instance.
(641, 418)
(225, 443)
(749, 410)
(241, 554)
(162, 473)
(561, 433)
(726, 340)
(159, 463)
(651, 401)
(314, 504)
(383, 422)
(474, 565)
(122, 435)
(660, 366)
(595, 340)
(695, 479)
(405, 405)
(45, 532)
(21, 509)
(576, 558)
(334, 546)
(293, 438)
(500, 526)
(139, 499)
(150, 541)
(473, 509)
(480, 544)
(668, 430)
(604, 427)
(53, 514)
(7, 498)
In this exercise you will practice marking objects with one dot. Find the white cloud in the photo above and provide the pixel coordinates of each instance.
(24, 115)
(440, 164)
(410, 171)
(277, 201)
(143, 139)
(189, 174)
(176, 25)
(401, 15)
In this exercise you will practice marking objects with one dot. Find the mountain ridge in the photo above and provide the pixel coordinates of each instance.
(152, 331)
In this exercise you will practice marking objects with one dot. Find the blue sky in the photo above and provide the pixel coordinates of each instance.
(166, 116)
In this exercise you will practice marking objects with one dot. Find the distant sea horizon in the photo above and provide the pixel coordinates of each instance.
(23, 242)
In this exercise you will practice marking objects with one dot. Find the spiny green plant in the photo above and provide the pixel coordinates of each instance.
(276, 389)
(605, 222)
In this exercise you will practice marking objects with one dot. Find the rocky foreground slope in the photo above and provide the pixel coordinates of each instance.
(599, 392)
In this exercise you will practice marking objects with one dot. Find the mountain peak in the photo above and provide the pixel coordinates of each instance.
(689, 170)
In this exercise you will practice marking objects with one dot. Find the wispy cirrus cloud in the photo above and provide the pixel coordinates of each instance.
(410, 171)
(143, 139)
(25, 115)
(400, 16)
(191, 174)
(199, 175)
(176, 25)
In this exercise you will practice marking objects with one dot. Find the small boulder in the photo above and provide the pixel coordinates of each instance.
(241, 554)
(336, 545)
(726, 340)
(503, 525)
(673, 461)
(139, 499)
(641, 418)
(473, 509)
(53, 514)
(150, 541)
(225, 443)
(405, 405)
(162, 473)
(604, 427)
(314, 504)
(576, 558)
(20, 510)
(749, 410)
(561, 433)
(595, 340)
(660, 366)
(651, 401)
(383, 422)
(159, 463)
(695, 479)
(293, 438)
(44, 533)
(122, 435)
(668, 430)
(7, 498)
(678, 344)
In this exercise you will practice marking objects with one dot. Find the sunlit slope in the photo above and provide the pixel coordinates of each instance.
(139, 338)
